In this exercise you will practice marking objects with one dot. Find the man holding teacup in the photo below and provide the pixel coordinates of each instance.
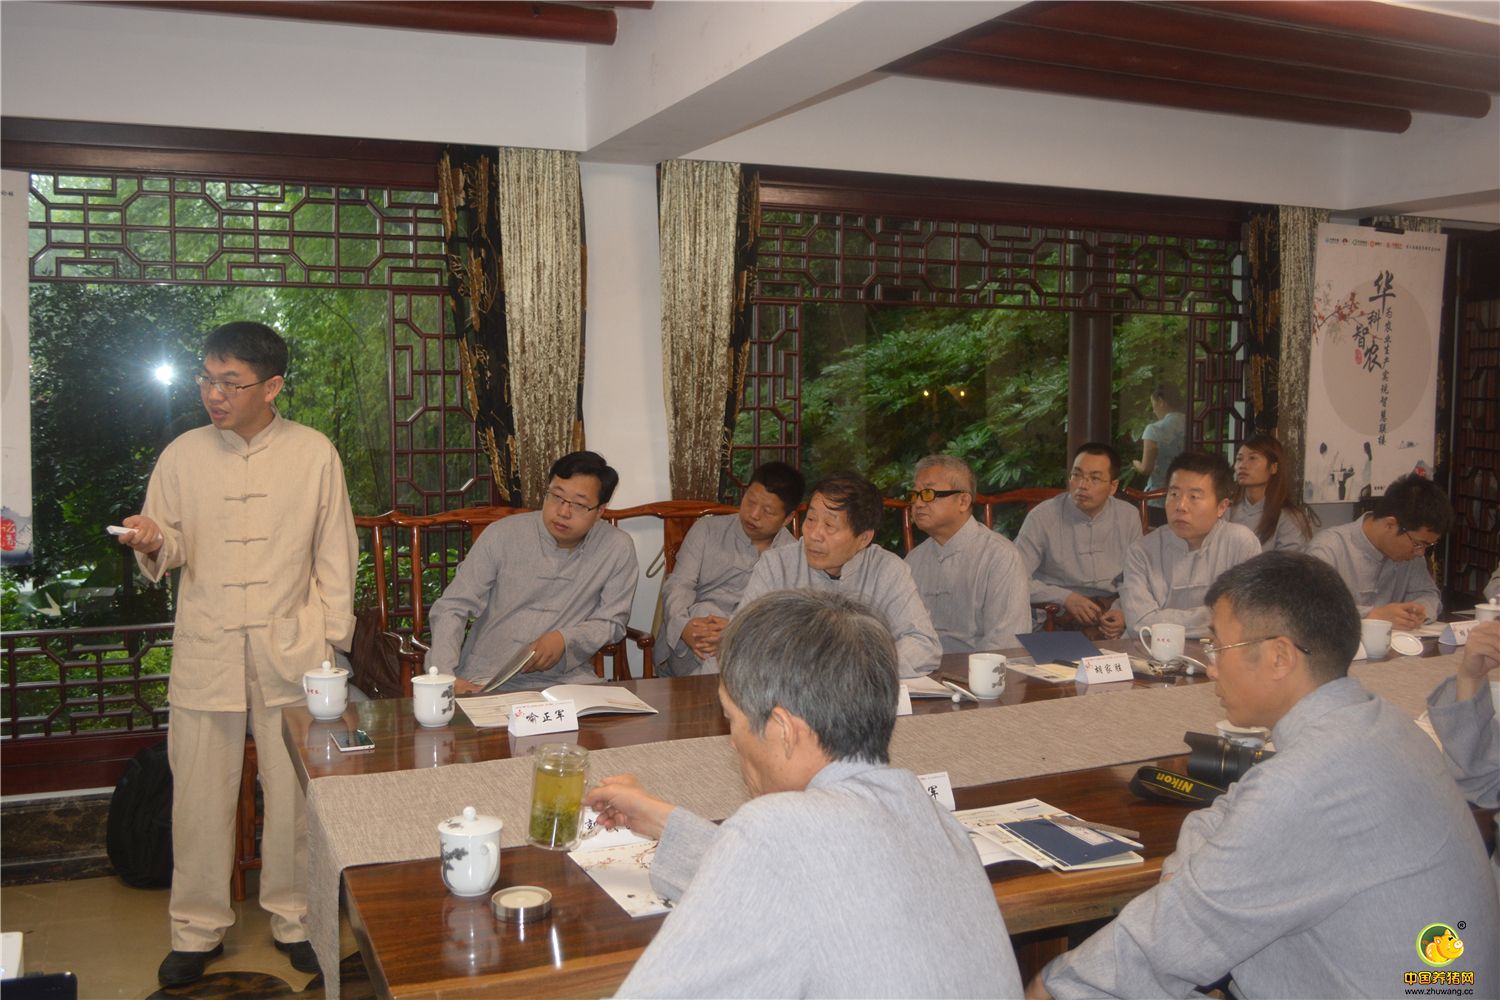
(842, 877)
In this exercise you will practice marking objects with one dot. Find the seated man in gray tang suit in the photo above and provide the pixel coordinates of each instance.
(556, 581)
(1074, 545)
(1382, 555)
(1167, 571)
(714, 562)
(1316, 873)
(970, 578)
(841, 876)
(836, 557)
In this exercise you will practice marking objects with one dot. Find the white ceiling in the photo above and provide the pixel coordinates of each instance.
(789, 83)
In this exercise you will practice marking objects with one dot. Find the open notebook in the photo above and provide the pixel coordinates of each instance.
(493, 710)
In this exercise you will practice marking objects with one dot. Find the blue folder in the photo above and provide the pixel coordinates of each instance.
(1058, 647)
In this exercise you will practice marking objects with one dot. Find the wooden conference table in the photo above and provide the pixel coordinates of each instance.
(418, 940)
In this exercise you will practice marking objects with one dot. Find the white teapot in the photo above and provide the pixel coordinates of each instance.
(327, 690)
(470, 852)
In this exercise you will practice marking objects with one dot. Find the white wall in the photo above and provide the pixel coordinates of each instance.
(624, 412)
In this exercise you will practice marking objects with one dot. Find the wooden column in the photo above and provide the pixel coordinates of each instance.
(1090, 387)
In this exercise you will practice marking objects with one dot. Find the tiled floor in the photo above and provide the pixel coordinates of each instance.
(113, 937)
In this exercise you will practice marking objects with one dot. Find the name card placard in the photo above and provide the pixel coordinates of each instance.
(1457, 633)
(1104, 668)
(531, 718)
(939, 787)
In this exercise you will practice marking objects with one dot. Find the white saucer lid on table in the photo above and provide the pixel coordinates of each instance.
(1406, 643)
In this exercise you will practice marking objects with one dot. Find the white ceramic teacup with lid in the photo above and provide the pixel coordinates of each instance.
(432, 698)
(470, 852)
(327, 690)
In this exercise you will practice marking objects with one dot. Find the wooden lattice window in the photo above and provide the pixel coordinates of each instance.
(168, 228)
(811, 258)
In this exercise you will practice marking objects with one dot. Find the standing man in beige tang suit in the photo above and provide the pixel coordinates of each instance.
(255, 511)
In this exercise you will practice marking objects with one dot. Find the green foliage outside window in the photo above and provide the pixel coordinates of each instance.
(990, 386)
(100, 417)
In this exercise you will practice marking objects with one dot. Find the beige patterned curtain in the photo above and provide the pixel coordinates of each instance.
(541, 214)
(699, 204)
(1298, 232)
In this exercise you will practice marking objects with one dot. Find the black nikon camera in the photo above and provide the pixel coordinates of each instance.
(1213, 763)
(1214, 759)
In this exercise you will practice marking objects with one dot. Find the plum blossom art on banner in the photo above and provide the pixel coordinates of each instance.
(1372, 376)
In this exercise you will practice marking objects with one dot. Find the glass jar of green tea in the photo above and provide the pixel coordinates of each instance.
(559, 777)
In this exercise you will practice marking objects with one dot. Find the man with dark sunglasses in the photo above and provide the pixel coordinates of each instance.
(971, 578)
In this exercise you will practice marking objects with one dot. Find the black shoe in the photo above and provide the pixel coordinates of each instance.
(304, 959)
(182, 967)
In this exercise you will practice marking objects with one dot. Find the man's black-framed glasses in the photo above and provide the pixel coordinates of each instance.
(571, 506)
(226, 388)
(929, 495)
(1417, 543)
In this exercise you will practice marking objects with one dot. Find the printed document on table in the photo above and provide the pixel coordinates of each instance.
(1052, 673)
(985, 824)
(624, 872)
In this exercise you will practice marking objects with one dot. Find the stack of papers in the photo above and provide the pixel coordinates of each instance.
(1023, 831)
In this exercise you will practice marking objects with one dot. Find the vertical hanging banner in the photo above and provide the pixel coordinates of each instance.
(15, 373)
(1372, 376)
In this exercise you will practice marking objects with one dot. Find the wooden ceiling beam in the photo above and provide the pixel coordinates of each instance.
(1365, 18)
(1177, 25)
(555, 22)
(1114, 55)
(1019, 74)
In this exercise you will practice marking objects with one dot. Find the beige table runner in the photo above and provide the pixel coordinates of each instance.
(377, 818)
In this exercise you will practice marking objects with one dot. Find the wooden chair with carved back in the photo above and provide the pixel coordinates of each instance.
(1142, 500)
(407, 562)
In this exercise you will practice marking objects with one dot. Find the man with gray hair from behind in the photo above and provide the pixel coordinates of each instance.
(841, 876)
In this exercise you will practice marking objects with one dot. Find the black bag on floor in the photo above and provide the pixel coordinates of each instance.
(139, 837)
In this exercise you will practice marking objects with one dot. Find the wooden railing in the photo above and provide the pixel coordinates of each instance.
(79, 703)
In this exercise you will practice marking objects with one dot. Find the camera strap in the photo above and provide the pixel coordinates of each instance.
(1157, 784)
